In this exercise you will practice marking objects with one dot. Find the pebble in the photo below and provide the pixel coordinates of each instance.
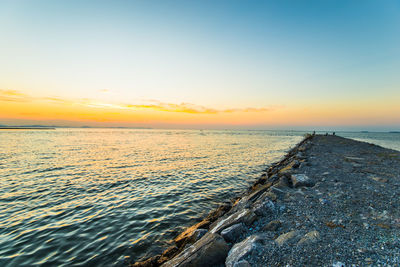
(338, 264)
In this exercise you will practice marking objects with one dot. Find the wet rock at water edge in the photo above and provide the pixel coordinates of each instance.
(231, 233)
(270, 195)
(296, 164)
(189, 234)
(208, 251)
(151, 262)
(167, 254)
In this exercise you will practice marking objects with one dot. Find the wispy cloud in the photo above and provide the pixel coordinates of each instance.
(13, 96)
(193, 109)
(17, 96)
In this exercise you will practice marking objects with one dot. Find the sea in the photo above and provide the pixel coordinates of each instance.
(101, 197)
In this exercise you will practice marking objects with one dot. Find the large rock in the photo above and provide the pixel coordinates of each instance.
(299, 180)
(233, 232)
(189, 234)
(242, 263)
(240, 250)
(208, 251)
(249, 217)
(244, 215)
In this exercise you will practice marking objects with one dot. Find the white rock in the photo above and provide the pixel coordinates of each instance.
(338, 264)
(242, 263)
(242, 249)
(302, 180)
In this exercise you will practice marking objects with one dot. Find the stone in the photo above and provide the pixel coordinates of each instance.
(296, 164)
(284, 181)
(151, 262)
(264, 208)
(287, 238)
(299, 180)
(240, 250)
(379, 179)
(245, 215)
(197, 234)
(357, 159)
(167, 254)
(231, 233)
(272, 226)
(208, 251)
(309, 238)
(338, 264)
(187, 234)
(247, 201)
(170, 251)
(273, 178)
(242, 263)
(249, 217)
(270, 195)
(278, 191)
(219, 212)
(287, 169)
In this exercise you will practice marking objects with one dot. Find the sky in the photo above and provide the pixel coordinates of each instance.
(201, 64)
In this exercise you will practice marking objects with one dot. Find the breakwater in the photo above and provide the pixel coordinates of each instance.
(330, 201)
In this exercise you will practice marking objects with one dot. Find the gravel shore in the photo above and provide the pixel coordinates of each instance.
(331, 201)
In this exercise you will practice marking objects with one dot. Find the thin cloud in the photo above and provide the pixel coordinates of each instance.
(13, 96)
(17, 96)
(191, 108)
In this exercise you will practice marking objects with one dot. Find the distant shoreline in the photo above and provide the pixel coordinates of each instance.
(27, 128)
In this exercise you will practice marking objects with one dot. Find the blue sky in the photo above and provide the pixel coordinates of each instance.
(219, 54)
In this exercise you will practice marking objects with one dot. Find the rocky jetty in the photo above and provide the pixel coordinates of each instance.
(330, 201)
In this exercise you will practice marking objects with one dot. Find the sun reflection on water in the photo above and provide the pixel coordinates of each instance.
(96, 196)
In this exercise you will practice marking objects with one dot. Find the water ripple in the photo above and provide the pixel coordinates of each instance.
(108, 197)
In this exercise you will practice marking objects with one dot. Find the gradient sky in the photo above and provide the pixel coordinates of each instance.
(217, 64)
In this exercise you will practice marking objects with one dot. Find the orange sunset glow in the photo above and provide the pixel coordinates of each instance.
(21, 106)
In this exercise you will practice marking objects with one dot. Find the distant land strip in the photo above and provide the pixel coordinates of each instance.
(27, 128)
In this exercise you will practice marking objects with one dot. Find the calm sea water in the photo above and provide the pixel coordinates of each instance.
(109, 196)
